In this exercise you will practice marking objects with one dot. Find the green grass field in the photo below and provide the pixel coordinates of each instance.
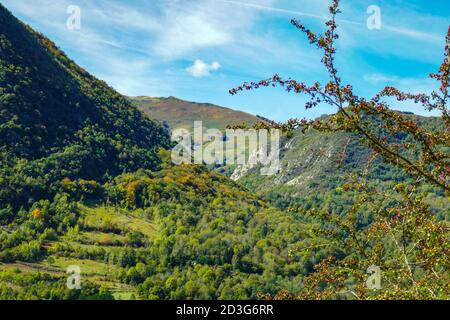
(94, 237)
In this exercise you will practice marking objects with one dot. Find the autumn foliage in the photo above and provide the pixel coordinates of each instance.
(404, 237)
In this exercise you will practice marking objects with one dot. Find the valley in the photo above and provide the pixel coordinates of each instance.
(87, 181)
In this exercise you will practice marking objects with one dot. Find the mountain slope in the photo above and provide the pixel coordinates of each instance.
(315, 165)
(182, 114)
(57, 121)
(81, 184)
(178, 233)
(47, 100)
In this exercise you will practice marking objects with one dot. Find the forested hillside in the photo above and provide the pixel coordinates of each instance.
(82, 184)
(315, 161)
(57, 121)
(181, 232)
(86, 180)
(57, 124)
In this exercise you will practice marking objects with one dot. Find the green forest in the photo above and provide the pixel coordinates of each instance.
(86, 179)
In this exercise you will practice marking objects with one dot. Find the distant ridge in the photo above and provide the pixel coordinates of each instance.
(181, 114)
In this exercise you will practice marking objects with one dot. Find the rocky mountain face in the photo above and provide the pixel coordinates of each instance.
(313, 165)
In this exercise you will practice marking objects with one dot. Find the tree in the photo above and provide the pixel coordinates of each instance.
(404, 238)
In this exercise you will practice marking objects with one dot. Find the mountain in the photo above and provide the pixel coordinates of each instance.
(90, 199)
(178, 233)
(314, 165)
(84, 184)
(58, 121)
(182, 114)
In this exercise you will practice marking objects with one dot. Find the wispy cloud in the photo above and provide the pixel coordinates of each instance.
(146, 47)
(424, 36)
(273, 9)
(418, 35)
(413, 85)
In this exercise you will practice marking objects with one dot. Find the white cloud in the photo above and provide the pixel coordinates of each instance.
(195, 25)
(138, 46)
(201, 69)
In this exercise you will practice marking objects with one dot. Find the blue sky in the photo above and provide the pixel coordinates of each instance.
(198, 49)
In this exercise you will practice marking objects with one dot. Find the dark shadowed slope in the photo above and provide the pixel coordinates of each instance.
(57, 120)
